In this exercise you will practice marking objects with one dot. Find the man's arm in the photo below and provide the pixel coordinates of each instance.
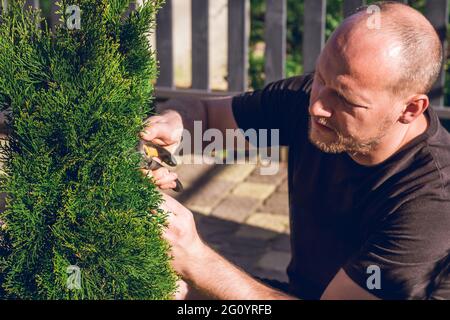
(204, 269)
(216, 277)
(214, 113)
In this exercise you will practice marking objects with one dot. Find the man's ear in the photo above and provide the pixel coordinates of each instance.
(415, 106)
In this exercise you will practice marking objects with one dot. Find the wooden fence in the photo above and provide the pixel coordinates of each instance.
(437, 11)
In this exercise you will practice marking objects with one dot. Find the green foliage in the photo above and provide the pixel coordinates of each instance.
(74, 195)
(294, 40)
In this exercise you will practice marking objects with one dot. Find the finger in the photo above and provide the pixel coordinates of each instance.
(157, 160)
(152, 119)
(154, 132)
(164, 205)
(146, 173)
(152, 165)
(168, 179)
(168, 186)
(182, 290)
(150, 133)
(169, 203)
(160, 173)
(168, 210)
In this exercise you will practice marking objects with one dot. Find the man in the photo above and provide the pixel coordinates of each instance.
(369, 169)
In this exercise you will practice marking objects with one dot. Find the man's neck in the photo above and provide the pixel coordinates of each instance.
(392, 143)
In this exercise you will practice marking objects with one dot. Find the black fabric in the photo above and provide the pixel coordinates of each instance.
(395, 215)
(276, 284)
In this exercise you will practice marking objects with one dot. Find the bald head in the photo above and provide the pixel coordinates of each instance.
(402, 41)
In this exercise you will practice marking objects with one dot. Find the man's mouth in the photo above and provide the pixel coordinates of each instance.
(321, 125)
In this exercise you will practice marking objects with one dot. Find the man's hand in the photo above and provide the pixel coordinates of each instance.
(202, 267)
(187, 248)
(164, 130)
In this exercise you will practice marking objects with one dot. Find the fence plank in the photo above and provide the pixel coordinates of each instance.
(238, 38)
(351, 5)
(314, 32)
(32, 3)
(54, 18)
(200, 44)
(175, 93)
(164, 45)
(437, 12)
(275, 38)
(131, 7)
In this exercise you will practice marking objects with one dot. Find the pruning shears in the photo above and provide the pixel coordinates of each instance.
(152, 151)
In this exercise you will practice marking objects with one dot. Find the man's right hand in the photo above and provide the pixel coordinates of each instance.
(165, 130)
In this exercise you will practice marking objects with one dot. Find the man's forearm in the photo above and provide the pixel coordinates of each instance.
(225, 281)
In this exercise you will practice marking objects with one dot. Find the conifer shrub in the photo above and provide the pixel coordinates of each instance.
(75, 199)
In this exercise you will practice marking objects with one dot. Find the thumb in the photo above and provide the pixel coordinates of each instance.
(150, 133)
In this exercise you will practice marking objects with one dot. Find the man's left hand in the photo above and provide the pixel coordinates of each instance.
(187, 248)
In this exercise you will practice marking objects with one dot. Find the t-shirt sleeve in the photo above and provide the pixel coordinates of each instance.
(410, 249)
(281, 105)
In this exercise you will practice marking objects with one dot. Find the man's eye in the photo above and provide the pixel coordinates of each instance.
(345, 100)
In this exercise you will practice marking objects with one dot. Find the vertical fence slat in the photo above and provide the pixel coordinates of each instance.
(238, 38)
(437, 12)
(164, 45)
(132, 6)
(33, 4)
(3, 4)
(275, 38)
(351, 5)
(200, 44)
(54, 17)
(314, 32)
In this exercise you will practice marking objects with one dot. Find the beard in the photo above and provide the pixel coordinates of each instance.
(347, 143)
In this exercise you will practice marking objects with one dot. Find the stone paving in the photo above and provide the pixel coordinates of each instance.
(241, 213)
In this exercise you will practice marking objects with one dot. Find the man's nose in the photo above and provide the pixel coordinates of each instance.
(317, 109)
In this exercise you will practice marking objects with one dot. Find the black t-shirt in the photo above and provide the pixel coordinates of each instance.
(394, 215)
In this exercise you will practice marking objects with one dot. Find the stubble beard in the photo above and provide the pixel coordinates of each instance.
(349, 144)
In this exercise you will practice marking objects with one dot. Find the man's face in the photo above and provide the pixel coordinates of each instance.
(351, 105)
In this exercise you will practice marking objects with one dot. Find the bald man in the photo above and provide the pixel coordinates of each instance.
(369, 169)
